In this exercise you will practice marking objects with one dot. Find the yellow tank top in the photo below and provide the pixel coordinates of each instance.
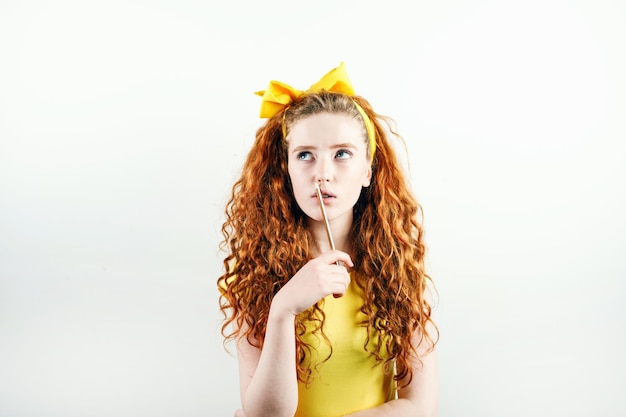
(350, 380)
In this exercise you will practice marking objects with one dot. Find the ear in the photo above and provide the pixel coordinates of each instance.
(367, 179)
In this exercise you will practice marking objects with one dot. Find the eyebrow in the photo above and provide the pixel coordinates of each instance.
(313, 147)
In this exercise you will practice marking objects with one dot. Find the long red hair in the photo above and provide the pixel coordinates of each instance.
(267, 241)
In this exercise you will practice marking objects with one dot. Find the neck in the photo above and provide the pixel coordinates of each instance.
(340, 229)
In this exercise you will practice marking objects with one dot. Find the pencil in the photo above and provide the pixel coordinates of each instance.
(323, 210)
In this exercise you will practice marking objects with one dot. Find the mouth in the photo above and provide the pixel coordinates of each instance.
(325, 195)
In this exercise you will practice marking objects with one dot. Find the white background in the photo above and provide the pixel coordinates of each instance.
(123, 125)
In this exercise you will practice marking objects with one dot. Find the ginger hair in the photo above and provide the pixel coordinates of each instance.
(267, 241)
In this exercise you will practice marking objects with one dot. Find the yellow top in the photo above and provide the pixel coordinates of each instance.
(350, 380)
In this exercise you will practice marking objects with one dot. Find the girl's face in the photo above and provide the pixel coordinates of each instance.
(329, 149)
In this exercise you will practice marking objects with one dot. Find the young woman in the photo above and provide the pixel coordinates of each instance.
(322, 331)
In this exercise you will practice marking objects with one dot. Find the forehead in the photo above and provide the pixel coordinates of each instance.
(326, 128)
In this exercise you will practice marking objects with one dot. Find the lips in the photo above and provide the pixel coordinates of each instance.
(325, 194)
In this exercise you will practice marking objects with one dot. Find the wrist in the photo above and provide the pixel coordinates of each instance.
(279, 311)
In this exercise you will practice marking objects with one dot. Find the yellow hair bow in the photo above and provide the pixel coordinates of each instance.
(280, 95)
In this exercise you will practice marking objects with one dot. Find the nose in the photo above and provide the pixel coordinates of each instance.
(323, 173)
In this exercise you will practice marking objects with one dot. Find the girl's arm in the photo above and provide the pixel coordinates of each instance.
(267, 377)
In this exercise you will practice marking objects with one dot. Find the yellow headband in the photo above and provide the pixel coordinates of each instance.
(279, 95)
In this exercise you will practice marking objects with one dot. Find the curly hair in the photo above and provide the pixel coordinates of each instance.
(267, 241)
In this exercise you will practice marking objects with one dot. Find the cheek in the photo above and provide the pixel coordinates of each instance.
(367, 178)
(298, 177)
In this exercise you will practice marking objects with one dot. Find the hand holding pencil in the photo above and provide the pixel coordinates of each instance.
(326, 224)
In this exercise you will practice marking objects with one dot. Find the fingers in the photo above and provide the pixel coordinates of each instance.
(317, 279)
(341, 280)
(334, 256)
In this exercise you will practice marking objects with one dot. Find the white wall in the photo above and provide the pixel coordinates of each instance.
(124, 123)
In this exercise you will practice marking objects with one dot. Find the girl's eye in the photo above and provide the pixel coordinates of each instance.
(343, 154)
(304, 156)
